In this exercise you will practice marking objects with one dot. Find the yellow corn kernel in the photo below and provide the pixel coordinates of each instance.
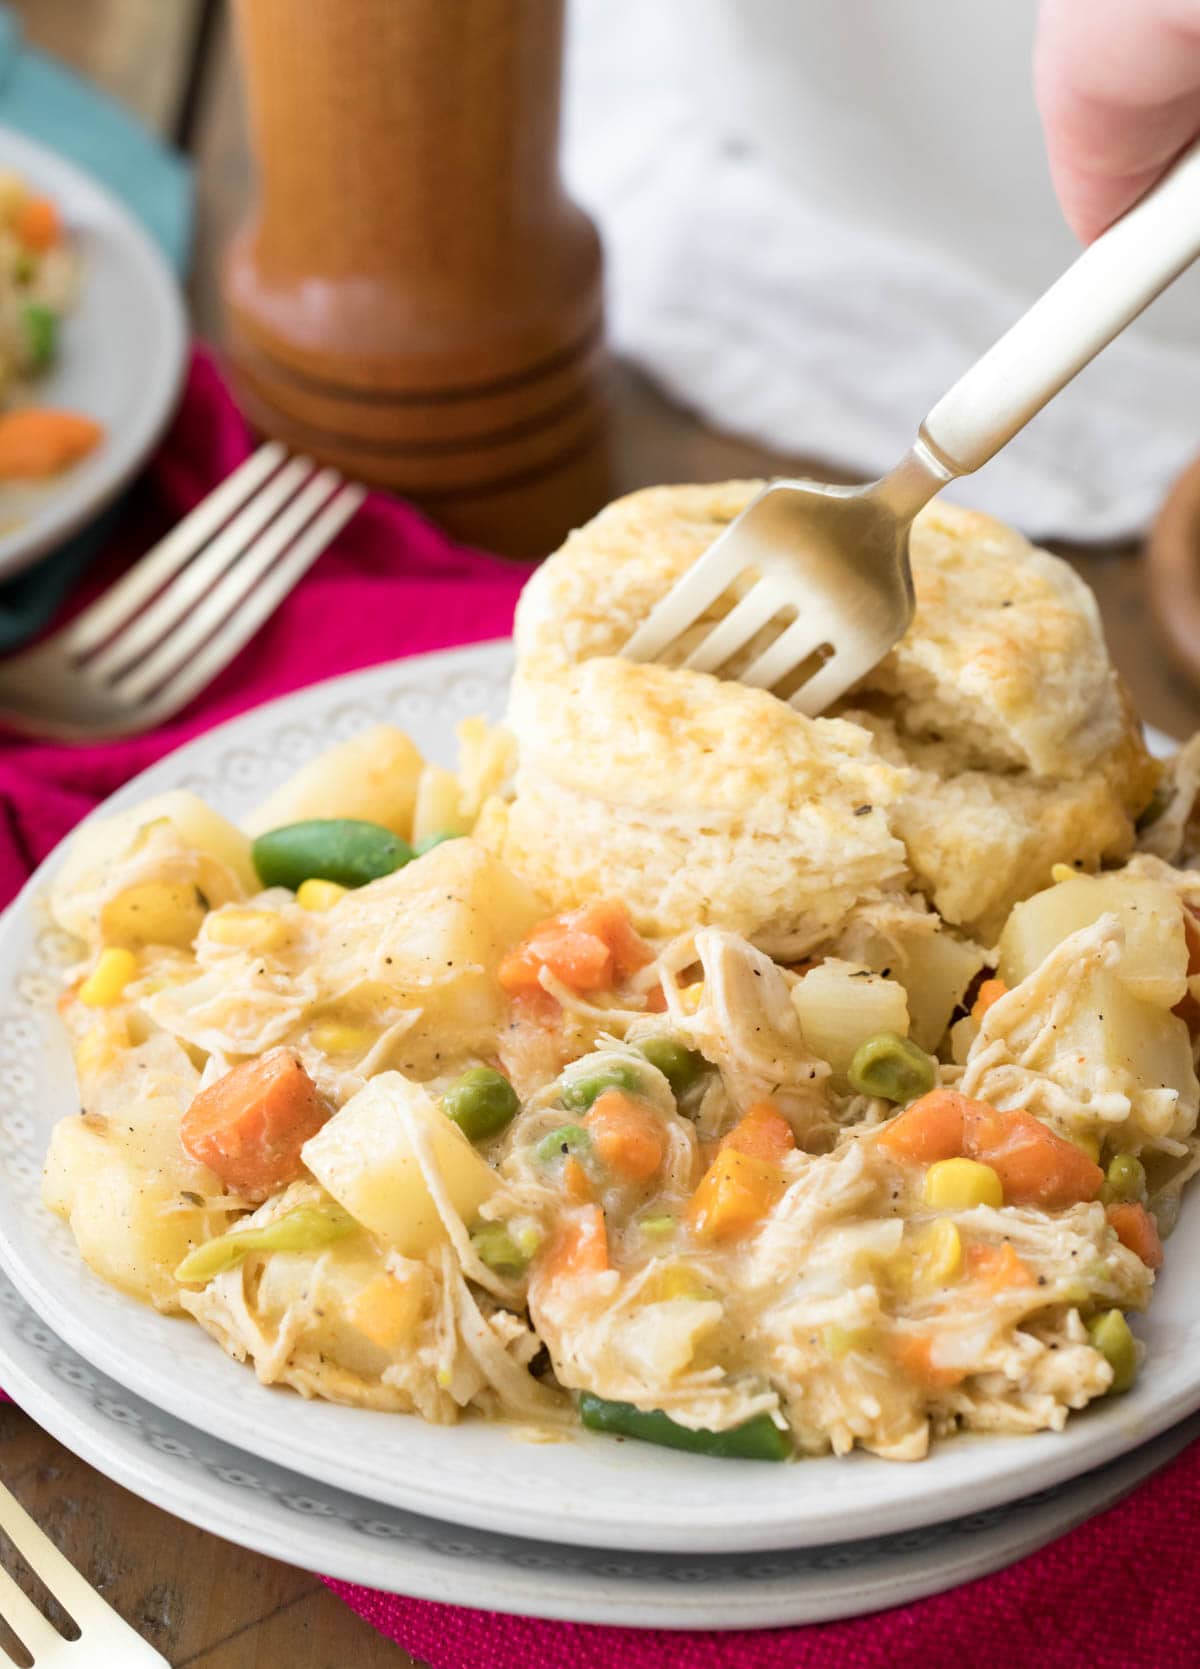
(959, 1184)
(940, 1256)
(103, 987)
(315, 894)
(256, 930)
(1088, 1143)
(386, 1310)
(677, 1280)
(691, 996)
(154, 913)
(339, 1037)
(842, 1341)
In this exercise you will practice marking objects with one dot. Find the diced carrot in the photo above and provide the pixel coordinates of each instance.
(931, 1129)
(1137, 1229)
(914, 1353)
(576, 1183)
(589, 949)
(762, 1132)
(1035, 1165)
(998, 1267)
(734, 1195)
(36, 442)
(656, 1001)
(37, 224)
(627, 1135)
(989, 992)
(250, 1125)
(579, 1247)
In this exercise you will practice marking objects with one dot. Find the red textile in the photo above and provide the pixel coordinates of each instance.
(1117, 1592)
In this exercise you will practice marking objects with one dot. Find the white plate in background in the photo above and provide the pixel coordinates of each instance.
(122, 352)
(587, 1489)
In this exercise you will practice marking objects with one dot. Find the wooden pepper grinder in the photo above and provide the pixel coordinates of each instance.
(414, 299)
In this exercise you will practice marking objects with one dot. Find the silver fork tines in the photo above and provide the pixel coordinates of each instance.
(180, 615)
(105, 1640)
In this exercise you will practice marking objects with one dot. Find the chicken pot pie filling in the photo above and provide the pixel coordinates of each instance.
(679, 1065)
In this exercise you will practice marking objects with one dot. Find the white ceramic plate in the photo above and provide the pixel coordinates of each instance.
(248, 1501)
(588, 1489)
(122, 355)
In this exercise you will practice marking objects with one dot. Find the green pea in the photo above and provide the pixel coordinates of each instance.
(679, 1065)
(340, 849)
(569, 1140)
(428, 843)
(41, 334)
(481, 1103)
(1110, 1335)
(1125, 1180)
(756, 1439)
(496, 1248)
(579, 1093)
(892, 1067)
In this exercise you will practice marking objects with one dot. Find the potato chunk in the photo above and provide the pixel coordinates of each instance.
(1153, 966)
(373, 776)
(840, 1005)
(375, 1154)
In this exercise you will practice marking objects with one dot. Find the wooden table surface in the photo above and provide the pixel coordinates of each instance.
(202, 1602)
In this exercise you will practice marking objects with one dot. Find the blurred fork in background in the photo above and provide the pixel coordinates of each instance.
(153, 641)
(105, 1641)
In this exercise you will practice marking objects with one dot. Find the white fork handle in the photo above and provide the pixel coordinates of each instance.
(1093, 301)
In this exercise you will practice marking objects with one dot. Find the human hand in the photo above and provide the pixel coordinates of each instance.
(1118, 87)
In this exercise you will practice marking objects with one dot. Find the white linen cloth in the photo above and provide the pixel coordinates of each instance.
(784, 319)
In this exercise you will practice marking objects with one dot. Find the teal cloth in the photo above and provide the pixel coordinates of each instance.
(46, 101)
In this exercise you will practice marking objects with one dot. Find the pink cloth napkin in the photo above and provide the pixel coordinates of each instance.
(1121, 1590)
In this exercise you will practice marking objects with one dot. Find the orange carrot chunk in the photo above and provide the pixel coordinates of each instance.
(998, 1267)
(914, 1353)
(627, 1135)
(36, 442)
(762, 1132)
(1137, 1229)
(589, 949)
(1035, 1165)
(931, 1129)
(990, 992)
(579, 1247)
(37, 224)
(250, 1125)
(734, 1195)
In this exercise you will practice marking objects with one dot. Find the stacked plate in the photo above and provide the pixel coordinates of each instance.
(483, 1515)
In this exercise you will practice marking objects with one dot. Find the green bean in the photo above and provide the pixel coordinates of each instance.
(41, 333)
(340, 849)
(496, 1248)
(568, 1140)
(302, 1229)
(679, 1065)
(756, 1439)
(1125, 1180)
(579, 1093)
(891, 1066)
(1110, 1335)
(482, 1102)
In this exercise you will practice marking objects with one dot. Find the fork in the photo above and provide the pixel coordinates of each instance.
(105, 1640)
(827, 568)
(166, 629)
